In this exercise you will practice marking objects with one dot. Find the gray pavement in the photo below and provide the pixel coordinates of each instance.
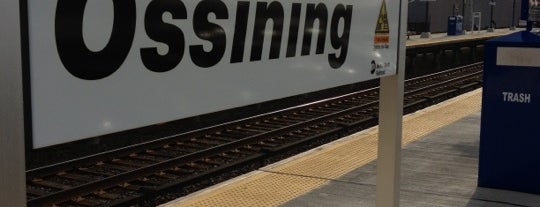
(440, 169)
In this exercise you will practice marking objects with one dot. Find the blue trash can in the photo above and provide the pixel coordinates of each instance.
(451, 25)
(455, 25)
(459, 25)
(510, 124)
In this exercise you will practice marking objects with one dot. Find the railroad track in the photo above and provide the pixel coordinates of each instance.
(130, 175)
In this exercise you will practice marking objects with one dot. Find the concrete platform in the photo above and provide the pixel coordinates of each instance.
(439, 168)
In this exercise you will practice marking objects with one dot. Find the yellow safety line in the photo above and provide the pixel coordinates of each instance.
(277, 184)
(459, 38)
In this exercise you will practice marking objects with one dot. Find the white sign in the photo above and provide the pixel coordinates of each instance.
(518, 56)
(104, 66)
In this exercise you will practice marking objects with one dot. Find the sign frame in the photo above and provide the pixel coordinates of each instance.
(13, 125)
(29, 88)
(12, 130)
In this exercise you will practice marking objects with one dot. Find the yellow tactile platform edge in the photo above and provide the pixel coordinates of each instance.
(279, 183)
(438, 38)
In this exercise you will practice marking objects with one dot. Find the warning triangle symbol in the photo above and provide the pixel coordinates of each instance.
(382, 20)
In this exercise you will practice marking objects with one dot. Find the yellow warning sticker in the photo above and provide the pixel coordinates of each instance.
(382, 30)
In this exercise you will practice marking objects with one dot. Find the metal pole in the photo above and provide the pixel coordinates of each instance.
(463, 3)
(513, 27)
(12, 161)
(390, 126)
(491, 28)
(491, 17)
(525, 5)
(427, 32)
(463, 9)
(471, 6)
